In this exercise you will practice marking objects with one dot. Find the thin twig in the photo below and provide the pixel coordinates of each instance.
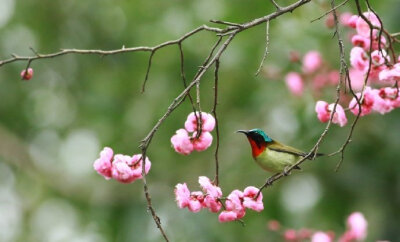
(214, 111)
(182, 58)
(225, 23)
(266, 48)
(330, 10)
(278, 8)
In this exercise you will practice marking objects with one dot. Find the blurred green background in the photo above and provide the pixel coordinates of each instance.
(53, 127)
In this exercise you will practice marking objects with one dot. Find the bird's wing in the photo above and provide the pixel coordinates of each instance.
(278, 147)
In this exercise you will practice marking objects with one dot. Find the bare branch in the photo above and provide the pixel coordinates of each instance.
(266, 48)
(330, 10)
(214, 111)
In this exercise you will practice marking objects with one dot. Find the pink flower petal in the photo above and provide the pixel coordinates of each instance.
(103, 164)
(182, 142)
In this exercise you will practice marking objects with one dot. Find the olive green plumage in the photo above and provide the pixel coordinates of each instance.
(271, 155)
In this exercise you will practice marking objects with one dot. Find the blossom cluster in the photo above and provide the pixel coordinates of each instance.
(368, 58)
(211, 198)
(313, 71)
(356, 231)
(123, 168)
(184, 143)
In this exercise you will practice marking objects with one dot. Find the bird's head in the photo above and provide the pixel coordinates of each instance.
(258, 140)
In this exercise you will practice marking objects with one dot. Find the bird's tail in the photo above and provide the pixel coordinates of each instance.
(317, 155)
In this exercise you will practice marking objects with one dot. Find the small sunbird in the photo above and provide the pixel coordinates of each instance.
(271, 155)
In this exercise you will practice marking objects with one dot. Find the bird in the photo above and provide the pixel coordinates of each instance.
(271, 155)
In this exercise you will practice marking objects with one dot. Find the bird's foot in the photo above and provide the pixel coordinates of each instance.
(270, 181)
(286, 171)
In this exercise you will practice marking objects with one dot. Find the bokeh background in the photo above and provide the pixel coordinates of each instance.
(53, 127)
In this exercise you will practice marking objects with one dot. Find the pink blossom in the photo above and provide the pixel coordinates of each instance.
(330, 21)
(319, 81)
(196, 202)
(385, 98)
(321, 237)
(344, 18)
(250, 201)
(312, 61)
(391, 74)
(234, 203)
(212, 194)
(366, 105)
(203, 142)
(274, 225)
(378, 57)
(375, 42)
(323, 113)
(340, 116)
(295, 83)
(227, 216)
(362, 27)
(182, 195)
(103, 164)
(356, 79)
(234, 208)
(290, 235)
(361, 41)
(357, 223)
(27, 74)
(334, 77)
(352, 21)
(359, 59)
(126, 169)
(182, 142)
(208, 122)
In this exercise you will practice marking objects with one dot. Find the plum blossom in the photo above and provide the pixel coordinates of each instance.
(357, 223)
(386, 99)
(182, 195)
(295, 83)
(361, 41)
(320, 236)
(362, 26)
(182, 142)
(184, 198)
(196, 201)
(357, 79)
(391, 74)
(213, 193)
(234, 207)
(324, 113)
(312, 61)
(27, 74)
(126, 169)
(350, 21)
(359, 59)
(203, 142)
(250, 201)
(227, 216)
(208, 122)
(103, 164)
(122, 168)
(290, 235)
(356, 228)
(274, 225)
(366, 105)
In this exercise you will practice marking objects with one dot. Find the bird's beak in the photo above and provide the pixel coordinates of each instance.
(242, 131)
